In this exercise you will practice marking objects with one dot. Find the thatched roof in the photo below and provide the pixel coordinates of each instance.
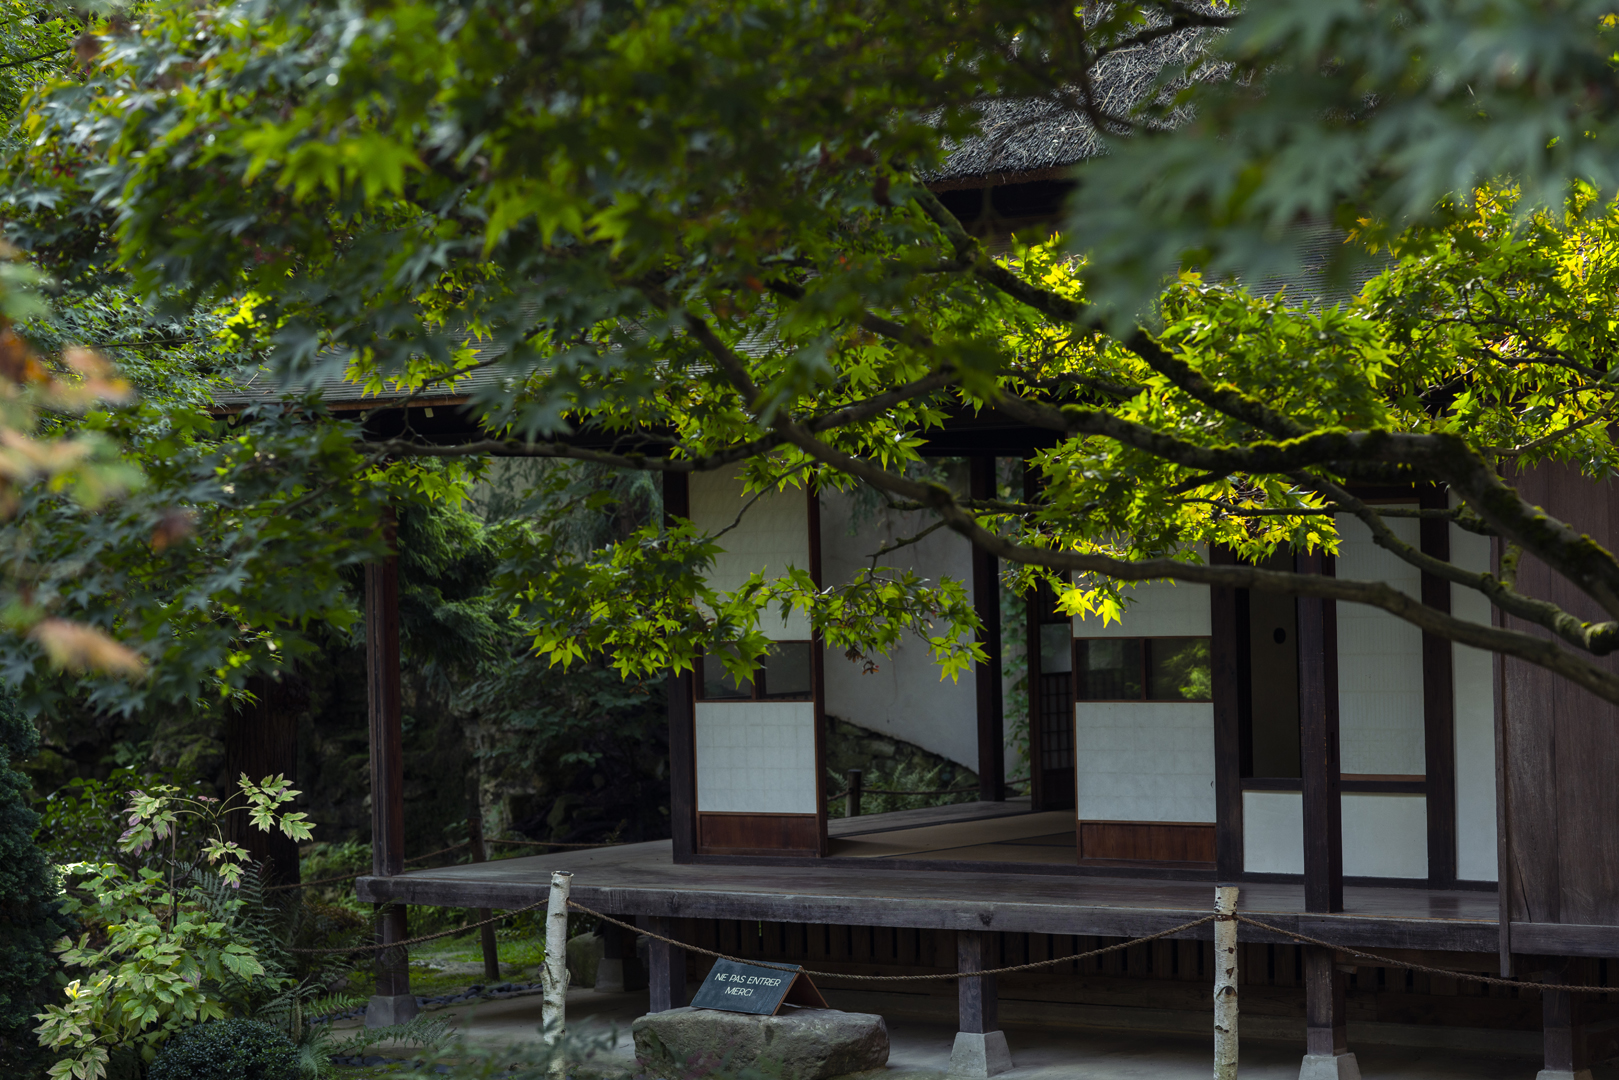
(1028, 139)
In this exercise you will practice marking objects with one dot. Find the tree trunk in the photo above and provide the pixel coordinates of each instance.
(262, 740)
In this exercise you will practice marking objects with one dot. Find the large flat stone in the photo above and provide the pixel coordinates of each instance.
(801, 1044)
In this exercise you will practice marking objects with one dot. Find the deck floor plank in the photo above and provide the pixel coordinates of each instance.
(643, 879)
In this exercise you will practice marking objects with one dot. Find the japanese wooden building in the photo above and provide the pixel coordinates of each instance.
(1363, 783)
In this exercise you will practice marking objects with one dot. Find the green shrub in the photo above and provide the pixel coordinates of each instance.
(30, 918)
(227, 1050)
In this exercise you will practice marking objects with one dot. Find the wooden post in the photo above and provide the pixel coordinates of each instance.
(1326, 1047)
(1562, 1040)
(618, 969)
(681, 696)
(554, 979)
(1438, 709)
(1318, 730)
(980, 1049)
(1225, 983)
(1504, 862)
(1226, 662)
(852, 799)
(987, 676)
(1034, 614)
(1327, 1055)
(667, 979)
(491, 953)
(393, 1002)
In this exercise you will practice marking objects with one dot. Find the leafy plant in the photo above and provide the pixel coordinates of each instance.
(161, 950)
(227, 1050)
(31, 917)
(80, 822)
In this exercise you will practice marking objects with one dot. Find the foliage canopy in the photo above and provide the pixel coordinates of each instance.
(696, 234)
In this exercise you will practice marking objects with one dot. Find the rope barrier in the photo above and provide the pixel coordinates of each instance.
(1387, 961)
(947, 791)
(443, 851)
(1383, 961)
(558, 843)
(362, 873)
(379, 947)
(1305, 938)
(898, 978)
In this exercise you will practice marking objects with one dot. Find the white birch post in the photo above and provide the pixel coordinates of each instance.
(554, 979)
(1225, 984)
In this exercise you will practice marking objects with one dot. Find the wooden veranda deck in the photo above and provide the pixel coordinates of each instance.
(885, 890)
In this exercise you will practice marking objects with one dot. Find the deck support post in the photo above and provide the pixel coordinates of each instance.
(667, 979)
(486, 933)
(610, 968)
(393, 1002)
(1562, 1038)
(619, 969)
(1326, 1048)
(980, 1049)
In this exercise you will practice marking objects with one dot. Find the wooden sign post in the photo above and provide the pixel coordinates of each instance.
(733, 986)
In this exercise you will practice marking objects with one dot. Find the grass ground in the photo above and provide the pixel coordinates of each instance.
(455, 963)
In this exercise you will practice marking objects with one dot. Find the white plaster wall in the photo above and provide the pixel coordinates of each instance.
(1473, 675)
(1383, 835)
(772, 536)
(905, 697)
(756, 757)
(1379, 660)
(1155, 609)
(1144, 761)
(1273, 832)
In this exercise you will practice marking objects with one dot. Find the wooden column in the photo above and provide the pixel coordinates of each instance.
(976, 997)
(1318, 723)
(987, 676)
(666, 981)
(980, 1048)
(1324, 988)
(681, 693)
(486, 934)
(812, 493)
(392, 966)
(1438, 709)
(1326, 1054)
(1562, 1039)
(382, 706)
(1506, 883)
(1033, 617)
(1224, 653)
(393, 1002)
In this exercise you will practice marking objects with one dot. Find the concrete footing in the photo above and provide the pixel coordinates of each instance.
(1329, 1067)
(978, 1055)
(1563, 1074)
(385, 1010)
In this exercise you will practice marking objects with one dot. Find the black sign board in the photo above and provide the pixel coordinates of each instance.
(733, 986)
